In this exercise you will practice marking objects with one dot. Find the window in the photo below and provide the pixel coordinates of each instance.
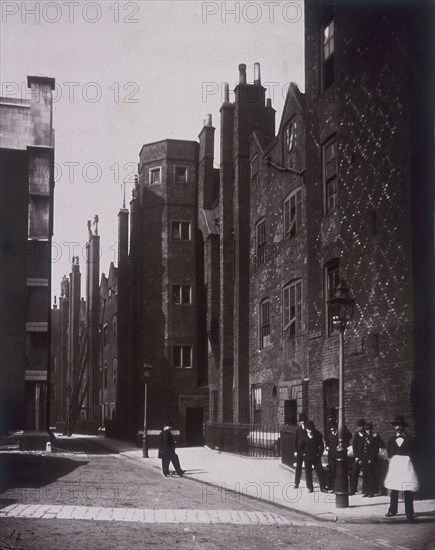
(290, 136)
(293, 213)
(105, 334)
(182, 357)
(331, 283)
(155, 175)
(180, 231)
(265, 324)
(114, 371)
(330, 183)
(105, 376)
(115, 327)
(327, 54)
(261, 241)
(180, 174)
(214, 406)
(256, 404)
(292, 308)
(181, 294)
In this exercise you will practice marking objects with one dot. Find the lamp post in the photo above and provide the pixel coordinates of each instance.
(341, 308)
(146, 370)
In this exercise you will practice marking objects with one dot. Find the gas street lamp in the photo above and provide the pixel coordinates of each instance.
(341, 308)
(146, 371)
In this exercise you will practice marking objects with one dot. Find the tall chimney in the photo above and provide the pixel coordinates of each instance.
(257, 74)
(270, 118)
(206, 189)
(226, 92)
(242, 73)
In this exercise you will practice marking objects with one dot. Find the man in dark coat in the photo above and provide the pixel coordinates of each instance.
(313, 447)
(369, 460)
(402, 452)
(357, 446)
(331, 444)
(167, 450)
(300, 432)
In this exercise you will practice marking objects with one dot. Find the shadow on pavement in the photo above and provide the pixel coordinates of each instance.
(35, 470)
(81, 445)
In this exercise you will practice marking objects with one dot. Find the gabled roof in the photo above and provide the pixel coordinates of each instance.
(295, 96)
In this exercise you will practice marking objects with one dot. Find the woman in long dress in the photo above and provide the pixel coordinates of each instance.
(401, 476)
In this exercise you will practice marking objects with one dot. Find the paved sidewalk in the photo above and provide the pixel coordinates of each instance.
(144, 515)
(235, 478)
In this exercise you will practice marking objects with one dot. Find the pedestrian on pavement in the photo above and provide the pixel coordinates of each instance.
(369, 460)
(331, 444)
(357, 447)
(313, 447)
(167, 450)
(401, 476)
(299, 455)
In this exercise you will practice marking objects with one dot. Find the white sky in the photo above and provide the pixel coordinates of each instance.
(144, 71)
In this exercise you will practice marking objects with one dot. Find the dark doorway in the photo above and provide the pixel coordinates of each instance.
(194, 426)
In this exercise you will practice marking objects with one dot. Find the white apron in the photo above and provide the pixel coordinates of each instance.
(401, 475)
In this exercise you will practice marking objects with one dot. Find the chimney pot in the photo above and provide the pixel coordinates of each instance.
(269, 102)
(242, 73)
(257, 74)
(209, 120)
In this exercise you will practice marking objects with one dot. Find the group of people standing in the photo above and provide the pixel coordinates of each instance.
(366, 444)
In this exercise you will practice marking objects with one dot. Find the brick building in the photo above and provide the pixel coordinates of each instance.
(278, 351)
(27, 191)
(343, 191)
(163, 291)
(108, 364)
(369, 202)
(77, 336)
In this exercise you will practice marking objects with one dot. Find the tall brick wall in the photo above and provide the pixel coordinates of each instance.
(367, 108)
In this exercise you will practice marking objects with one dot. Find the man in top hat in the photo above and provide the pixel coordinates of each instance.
(401, 476)
(167, 450)
(313, 447)
(300, 432)
(369, 460)
(357, 447)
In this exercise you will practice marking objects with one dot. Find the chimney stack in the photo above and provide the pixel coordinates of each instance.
(226, 92)
(242, 73)
(257, 74)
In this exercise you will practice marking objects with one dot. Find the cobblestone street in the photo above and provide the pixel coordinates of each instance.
(91, 500)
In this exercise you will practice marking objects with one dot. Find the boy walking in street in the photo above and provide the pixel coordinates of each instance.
(167, 450)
